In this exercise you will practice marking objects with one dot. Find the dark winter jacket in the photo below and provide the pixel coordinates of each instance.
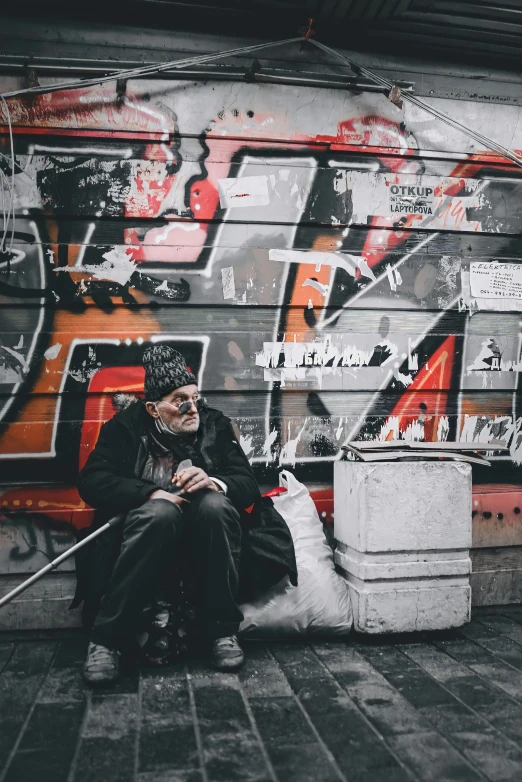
(111, 483)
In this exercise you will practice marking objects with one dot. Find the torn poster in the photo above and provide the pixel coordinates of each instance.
(350, 263)
(243, 191)
(228, 282)
(496, 280)
(440, 202)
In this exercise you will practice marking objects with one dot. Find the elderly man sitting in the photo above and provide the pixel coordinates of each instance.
(194, 517)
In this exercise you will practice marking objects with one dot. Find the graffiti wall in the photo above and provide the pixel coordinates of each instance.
(330, 265)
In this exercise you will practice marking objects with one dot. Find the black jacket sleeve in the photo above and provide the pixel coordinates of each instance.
(102, 483)
(234, 469)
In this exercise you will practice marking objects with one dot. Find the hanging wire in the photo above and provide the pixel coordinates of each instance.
(148, 70)
(484, 140)
(10, 188)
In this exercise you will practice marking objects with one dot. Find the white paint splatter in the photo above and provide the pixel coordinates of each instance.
(322, 289)
(350, 263)
(442, 429)
(267, 446)
(20, 344)
(174, 226)
(118, 267)
(53, 351)
(163, 287)
(406, 380)
(289, 449)
(246, 444)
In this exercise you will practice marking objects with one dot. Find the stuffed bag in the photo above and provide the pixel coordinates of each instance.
(320, 603)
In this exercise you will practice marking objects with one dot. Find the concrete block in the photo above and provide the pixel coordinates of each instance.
(403, 532)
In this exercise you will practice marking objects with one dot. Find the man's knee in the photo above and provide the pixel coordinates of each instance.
(155, 516)
(214, 509)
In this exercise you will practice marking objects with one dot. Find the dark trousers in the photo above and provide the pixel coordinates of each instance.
(206, 534)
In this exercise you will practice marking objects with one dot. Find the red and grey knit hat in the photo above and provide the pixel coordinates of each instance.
(165, 370)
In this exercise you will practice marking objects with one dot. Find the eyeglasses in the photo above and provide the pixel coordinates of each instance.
(184, 407)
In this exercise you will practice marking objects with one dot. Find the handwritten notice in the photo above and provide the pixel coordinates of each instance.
(496, 280)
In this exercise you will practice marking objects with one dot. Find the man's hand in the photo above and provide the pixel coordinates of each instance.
(192, 479)
(175, 499)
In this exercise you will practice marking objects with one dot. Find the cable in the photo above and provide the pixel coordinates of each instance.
(149, 70)
(484, 140)
(11, 189)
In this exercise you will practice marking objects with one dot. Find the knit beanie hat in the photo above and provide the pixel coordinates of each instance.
(165, 370)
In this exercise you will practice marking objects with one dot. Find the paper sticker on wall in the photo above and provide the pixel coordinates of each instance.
(228, 282)
(493, 287)
(243, 191)
(496, 280)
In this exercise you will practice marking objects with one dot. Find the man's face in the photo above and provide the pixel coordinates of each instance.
(168, 409)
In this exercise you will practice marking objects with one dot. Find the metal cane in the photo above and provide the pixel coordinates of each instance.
(58, 561)
(66, 554)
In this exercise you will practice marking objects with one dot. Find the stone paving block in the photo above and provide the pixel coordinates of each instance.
(32, 658)
(106, 759)
(418, 687)
(186, 775)
(52, 726)
(63, 685)
(482, 662)
(168, 749)
(71, 652)
(111, 717)
(319, 696)
(302, 764)
(165, 702)
(453, 717)
(280, 721)
(261, 676)
(6, 650)
(488, 701)
(356, 747)
(39, 766)
(223, 705)
(297, 662)
(383, 704)
(432, 758)
(503, 625)
(498, 645)
(231, 757)
(20, 682)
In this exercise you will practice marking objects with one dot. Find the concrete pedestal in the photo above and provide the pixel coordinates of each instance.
(403, 532)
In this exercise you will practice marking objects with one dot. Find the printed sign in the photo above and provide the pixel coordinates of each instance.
(411, 199)
(496, 280)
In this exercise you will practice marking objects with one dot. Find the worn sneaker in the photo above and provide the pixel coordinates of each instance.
(227, 655)
(102, 665)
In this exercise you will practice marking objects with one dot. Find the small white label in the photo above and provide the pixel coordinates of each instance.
(244, 191)
(228, 282)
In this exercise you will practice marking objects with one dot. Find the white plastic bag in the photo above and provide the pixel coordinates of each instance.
(320, 604)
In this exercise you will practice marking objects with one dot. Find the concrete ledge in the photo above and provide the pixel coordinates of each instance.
(412, 607)
(44, 606)
(411, 564)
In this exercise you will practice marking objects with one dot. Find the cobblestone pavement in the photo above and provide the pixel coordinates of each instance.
(436, 708)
